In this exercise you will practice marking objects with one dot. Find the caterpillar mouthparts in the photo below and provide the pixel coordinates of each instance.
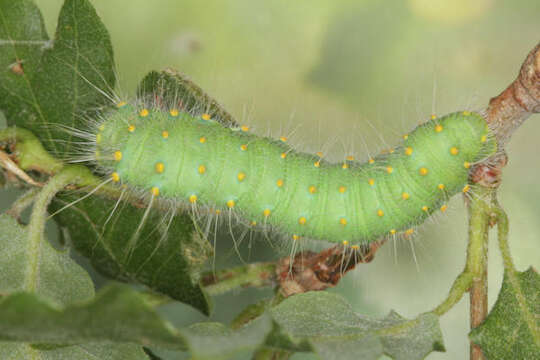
(195, 160)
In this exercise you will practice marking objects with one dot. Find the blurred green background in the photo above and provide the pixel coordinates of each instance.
(349, 77)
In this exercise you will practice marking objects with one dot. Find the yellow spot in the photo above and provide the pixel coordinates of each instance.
(409, 231)
(202, 169)
(423, 171)
(244, 128)
(98, 138)
(467, 164)
(389, 169)
(266, 212)
(117, 155)
(350, 158)
(466, 188)
(466, 113)
(279, 183)
(241, 176)
(283, 139)
(405, 137)
(454, 150)
(155, 191)
(343, 221)
(408, 150)
(342, 189)
(371, 182)
(131, 128)
(405, 196)
(302, 220)
(438, 128)
(218, 211)
(173, 112)
(144, 112)
(253, 223)
(319, 154)
(424, 208)
(391, 151)
(160, 167)
(345, 242)
(444, 207)
(205, 116)
(101, 127)
(371, 161)
(193, 199)
(164, 134)
(243, 147)
(295, 237)
(317, 164)
(440, 186)
(312, 189)
(483, 138)
(283, 155)
(345, 166)
(230, 204)
(433, 116)
(202, 139)
(355, 247)
(115, 177)
(120, 104)
(380, 213)
(393, 231)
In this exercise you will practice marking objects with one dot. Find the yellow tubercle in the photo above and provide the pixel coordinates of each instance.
(343, 221)
(423, 171)
(392, 232)
(345, 242)
(121, 103)
(193, 199)
(380, 213)
(408, 151)
(243, 147)
(405, 196)
(405, 137)
(283, 138)
(483, 138)
(466, 113)
(118, 155)
(283, 155)
(131, 128)
(345, 166)
(371, 161)
(438, 128)
(444, 207)
(312, 189)
(371, 182)
(295, 237)
(202, 139)
(241, 176)
(389, 169)
(317, 164)
(342, 189)
(440, 186)
(244, 128)
(230, 204)
(279, 183)
(160, 167)
(302, 220)
(144, 113)
(350, 158)
(454, 150)
(115, 177)
(319, 154)
(409, 231)
(174, 112)
(266, 212)
(466, 188)
(155, 191)
(205, 116)
(165, 134)
(425, 208)
(253, 223)
(201, 169)
(433, 116)
(355, 247)
(467, 164)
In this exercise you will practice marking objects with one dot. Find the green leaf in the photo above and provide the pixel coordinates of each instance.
(22, 40)
(18, 351)
(71, 79)
(120, 314)
(163, 254)
(59, 278)
(512, 328)
(328, 324)
(170, 86)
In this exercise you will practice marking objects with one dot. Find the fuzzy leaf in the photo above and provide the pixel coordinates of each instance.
(171, 87)
(512, 328)
(70, 80)
(58, 277)
(164, 257)
(59, 280)
(120, 314)
(334, 331)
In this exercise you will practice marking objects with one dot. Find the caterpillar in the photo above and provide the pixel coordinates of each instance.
(193, 160)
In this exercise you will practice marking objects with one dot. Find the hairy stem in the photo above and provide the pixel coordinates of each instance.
(251, 275)
(38, 219)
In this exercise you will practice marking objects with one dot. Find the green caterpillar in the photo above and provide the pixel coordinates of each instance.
(194, 160)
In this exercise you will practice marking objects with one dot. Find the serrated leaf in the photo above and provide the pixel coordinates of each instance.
(59, 280)
(171, 87)
(70, 80)
(58, 277)
(120, 314)
(327, 322)
(154, 255)
(512, 328)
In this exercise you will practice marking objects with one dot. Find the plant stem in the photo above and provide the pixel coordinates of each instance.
(255, 275)
(38, 218)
